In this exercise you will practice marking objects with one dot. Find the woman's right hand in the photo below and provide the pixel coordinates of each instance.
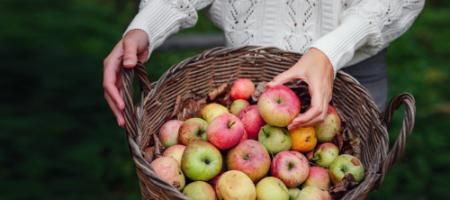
(133, 47)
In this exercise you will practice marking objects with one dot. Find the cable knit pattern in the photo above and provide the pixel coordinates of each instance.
(347, 31)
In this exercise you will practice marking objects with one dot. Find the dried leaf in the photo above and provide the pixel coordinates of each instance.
(339, 141)
(191, 108)
(353, 143)
(339, 189)
(260, 88)
(177, 107)
(213, 94)
(148, 153)
(310, 155)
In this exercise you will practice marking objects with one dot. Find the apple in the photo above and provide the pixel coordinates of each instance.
(291, 167)
(169, 171)
(274, 139)
(318, 177)
(199, 190)
(279, 105)
(213, 110)
(252, 121)
(325, 154)
(238, 105)
(235, 185)
(313, 193)
(251, 158)
(193, 129)
(293, 193)
(329, 127)
(201, 161)
(175, 151)
(242, 89)
(168, 133)
(346, 164)
(244, 137)
(225, 131)
(271, 188)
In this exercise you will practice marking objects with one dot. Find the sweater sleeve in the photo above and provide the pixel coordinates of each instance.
(369, 26)
(161, 18)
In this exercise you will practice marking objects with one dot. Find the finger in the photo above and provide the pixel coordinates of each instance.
(116, 111)
(142, 57)
(130, 53)
(312, 114)
(110, 74)
(282, 78)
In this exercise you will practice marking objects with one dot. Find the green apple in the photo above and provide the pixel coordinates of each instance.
(293, 193)
(271, 188)
(325, 154)
(235, 185)
(346, 164)
(201, 161)
(213, 110)
(329, 127)
(274, 139)
(199, 190)
(238, 105)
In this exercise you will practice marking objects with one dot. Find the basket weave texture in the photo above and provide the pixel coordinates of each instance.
(197, 75)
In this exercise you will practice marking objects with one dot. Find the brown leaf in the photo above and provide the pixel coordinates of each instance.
(191, 108)
(213, 94)
(339, 141)
(148, 154)
(353, 142)
(260, 88)
(310, 155)
(339, 189)
(176, 107)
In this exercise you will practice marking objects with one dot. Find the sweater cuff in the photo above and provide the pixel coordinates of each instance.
(158, 19)
(340, 44)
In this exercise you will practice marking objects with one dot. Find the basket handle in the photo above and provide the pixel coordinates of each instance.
(145, 87)
(407, 126)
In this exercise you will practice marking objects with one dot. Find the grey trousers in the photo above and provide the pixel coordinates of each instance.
(372, 74)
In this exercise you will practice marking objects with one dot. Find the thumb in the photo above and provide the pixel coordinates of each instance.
(282, 78)
(130, 53)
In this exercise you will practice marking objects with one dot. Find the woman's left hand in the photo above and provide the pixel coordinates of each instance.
(314, 68)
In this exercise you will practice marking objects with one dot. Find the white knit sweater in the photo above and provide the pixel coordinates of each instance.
(347, 31)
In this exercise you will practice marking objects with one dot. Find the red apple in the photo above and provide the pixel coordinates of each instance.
(329, 127)
(291, 167)
(225, 131)
(244, 137)
(169, 171)
(252, 121)
(193, 129)
(279, 105)
(251, 158)
(168, 133)
(242, 89)
(313, 193)
(175, 151)
(318, 177)
(238, 105)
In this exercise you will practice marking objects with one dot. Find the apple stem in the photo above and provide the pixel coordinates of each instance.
(230, 124)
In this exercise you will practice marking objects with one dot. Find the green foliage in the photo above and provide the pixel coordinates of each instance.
(60, 141)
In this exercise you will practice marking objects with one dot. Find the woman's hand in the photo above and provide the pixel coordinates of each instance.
(133, 47)
(316, 69)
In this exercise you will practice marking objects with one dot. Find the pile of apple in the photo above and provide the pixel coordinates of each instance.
(246, 152)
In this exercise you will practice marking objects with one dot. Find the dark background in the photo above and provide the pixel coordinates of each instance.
(58, 139)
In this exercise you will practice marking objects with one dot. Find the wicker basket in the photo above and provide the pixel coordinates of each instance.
(201, 73)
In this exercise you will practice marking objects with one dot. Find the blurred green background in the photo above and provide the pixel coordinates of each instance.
(58, 139)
